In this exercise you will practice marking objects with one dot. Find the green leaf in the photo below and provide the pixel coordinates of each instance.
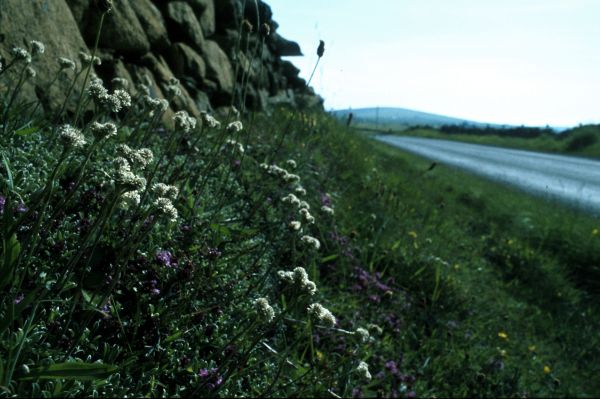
(71, 371)
(26, 131)
(9, 176)
(329, 258)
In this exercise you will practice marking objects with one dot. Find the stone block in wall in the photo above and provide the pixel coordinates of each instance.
(183, 25)
(185, 61)
(121, 29)
(53, 24)
(205, 11)
(163, 75)
(218, 68)
(153, 23)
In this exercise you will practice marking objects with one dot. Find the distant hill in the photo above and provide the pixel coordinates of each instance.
(401, 117)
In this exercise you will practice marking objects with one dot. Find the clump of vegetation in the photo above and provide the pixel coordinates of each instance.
(277, 255)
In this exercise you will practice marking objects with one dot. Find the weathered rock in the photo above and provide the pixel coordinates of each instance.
(152, 21)
(55, 26)
(183, 24)
(163, 75)
(121, 29)
(184, 61)
(283, 47)
(205, 11)
(136, 36)
(229, 14)
(218, 67)
(265, 15)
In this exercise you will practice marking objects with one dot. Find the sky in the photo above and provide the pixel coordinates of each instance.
(521, 62)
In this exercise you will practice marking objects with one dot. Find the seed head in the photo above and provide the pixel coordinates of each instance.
(295, 225)
(321, 48)
(30, 72)
(104, 5)
(165, 207)
(235, 127)
(165, 190)
(103, 130)
(363, 334)
(264, 310)
(363, 371)
(71, 137)
(87, 59)
(327, 210)
(183, 121)
(210, 121)
(37, 48)
(311, 242)
(66, 63)
(21, 54)
(322, 314)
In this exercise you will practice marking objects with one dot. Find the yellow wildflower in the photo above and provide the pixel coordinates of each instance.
(595, 232)
(503, 335)
(547, 369)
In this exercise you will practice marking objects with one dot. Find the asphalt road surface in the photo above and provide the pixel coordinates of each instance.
(569, 179)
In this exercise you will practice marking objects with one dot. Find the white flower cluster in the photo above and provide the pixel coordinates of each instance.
(183, 121)
(165, 190)
(295, 225)
(66, 63)
(237, 146)
(264, 310)
(299, 278)
(235, 127)
(210, 121)
(37, 48)
(156, 104)
(291, 199)
(30, 72)
(306, 216)
(137, 158)
(327, 210)
(165, 207)
(363, 334)
(86, 59)
(21, 54)
(275, 170)
(125, 179)
(322, 314)
(300, 190)
(71, 137)
(113, 102)
(311, 242)
(363, 371)
(291, 163)
(103, 130)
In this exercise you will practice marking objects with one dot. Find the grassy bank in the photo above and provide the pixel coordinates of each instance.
(275, 255)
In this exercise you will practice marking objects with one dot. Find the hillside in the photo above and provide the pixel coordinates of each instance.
(398, 117)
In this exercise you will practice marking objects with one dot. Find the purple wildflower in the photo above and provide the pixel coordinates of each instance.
(357, 393)
(411, 394)
(2, 203)
(21, 208)
(325, 200)
(203, 373)
(164, 258)
(19, 298)
(155, 292)
(237, 163)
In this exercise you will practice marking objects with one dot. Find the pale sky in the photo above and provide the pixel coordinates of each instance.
(531, 62)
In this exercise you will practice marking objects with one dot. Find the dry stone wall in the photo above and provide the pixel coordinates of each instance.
(151, 41)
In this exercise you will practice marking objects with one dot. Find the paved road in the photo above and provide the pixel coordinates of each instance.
(570, 179)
